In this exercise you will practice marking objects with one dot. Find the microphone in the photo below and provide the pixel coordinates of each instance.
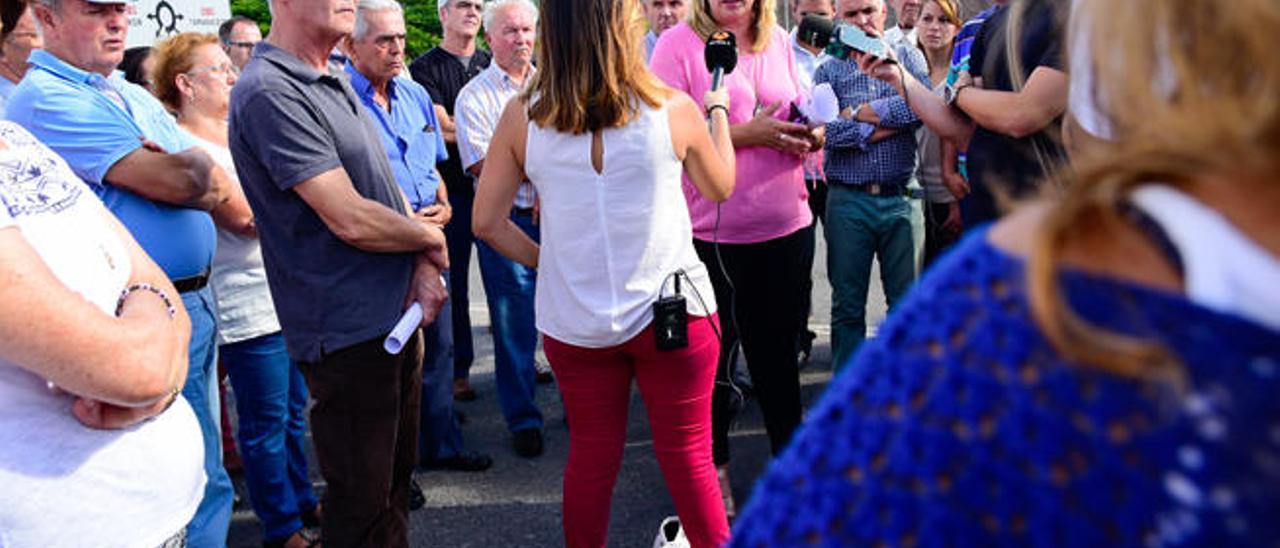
(721, 55)
(816, 31)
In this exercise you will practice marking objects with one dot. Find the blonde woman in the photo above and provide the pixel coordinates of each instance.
(605, 144)
(936, 34)
(193, 78)
(757, 242)
(1100, 367)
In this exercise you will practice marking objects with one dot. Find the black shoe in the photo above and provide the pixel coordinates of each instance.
(469, 461)
(416, 498)
(543, 373)
(311, 518)
(462, 417)
(804, 347)
(527, 442)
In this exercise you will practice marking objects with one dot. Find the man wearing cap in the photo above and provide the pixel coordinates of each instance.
(120, 140)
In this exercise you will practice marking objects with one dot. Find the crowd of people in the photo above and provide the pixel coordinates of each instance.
(1094, 363)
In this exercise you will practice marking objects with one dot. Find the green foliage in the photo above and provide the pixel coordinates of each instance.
(253, 9)
(421, 20)
(422, 24)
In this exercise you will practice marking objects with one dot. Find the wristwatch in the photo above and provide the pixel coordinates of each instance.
(950, 93)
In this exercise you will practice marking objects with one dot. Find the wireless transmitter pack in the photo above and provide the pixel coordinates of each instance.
(671, 321)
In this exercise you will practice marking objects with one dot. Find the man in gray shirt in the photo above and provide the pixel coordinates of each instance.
(344, 258)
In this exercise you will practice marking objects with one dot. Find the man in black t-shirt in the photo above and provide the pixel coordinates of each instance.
(443, 71)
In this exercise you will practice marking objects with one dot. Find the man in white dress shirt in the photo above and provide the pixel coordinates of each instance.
(510, 30)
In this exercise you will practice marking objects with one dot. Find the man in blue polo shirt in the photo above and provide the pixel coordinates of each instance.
(406, 120)
(149, 173)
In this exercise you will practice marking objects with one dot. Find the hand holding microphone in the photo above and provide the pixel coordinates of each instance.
(721, 56)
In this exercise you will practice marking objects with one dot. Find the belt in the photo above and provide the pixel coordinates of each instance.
(875, 188)
(522, 211)
(192, 283)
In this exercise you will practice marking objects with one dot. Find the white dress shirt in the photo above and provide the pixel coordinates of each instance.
(476, 113)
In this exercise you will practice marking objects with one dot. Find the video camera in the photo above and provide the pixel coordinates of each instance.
(839, 39)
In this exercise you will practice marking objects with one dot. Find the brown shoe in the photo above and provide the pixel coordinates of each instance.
(462, 390)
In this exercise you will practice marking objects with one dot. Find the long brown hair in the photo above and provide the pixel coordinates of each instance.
(591, 66)
(1189, 92)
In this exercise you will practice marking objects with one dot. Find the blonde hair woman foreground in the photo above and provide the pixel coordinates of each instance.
(1100, 368)
(605, 144)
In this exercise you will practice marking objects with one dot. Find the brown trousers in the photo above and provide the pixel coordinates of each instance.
(365, 425)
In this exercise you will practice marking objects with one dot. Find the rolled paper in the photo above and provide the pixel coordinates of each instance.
(404, 329)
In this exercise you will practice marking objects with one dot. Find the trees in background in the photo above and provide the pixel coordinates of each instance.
(422, 22)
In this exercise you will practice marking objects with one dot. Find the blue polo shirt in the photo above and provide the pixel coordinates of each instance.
(409, 133)
(67, 109)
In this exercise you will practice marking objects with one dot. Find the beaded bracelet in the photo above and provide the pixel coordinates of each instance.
(144, 287)
(713, 108)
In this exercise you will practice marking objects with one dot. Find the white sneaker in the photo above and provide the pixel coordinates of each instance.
(670, 534)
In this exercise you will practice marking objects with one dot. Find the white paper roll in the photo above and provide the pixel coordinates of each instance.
(404, 329)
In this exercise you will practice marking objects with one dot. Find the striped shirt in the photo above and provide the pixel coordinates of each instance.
(479, 106)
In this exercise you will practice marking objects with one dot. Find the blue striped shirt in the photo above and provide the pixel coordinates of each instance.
(851, 158)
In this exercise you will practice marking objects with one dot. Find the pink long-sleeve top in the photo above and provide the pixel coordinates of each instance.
(769, 200)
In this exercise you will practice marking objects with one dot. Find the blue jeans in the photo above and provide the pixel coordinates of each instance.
(439, 436)
(459, 238)
(271, 396)
(508, 287)
(208, 528)
(859, 227)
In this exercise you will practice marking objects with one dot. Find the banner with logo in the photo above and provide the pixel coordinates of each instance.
(153, 20)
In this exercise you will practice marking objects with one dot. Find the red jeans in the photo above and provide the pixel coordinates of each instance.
(676, 387)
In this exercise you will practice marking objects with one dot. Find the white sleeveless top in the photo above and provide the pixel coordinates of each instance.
(610, 240)
(1224, 270)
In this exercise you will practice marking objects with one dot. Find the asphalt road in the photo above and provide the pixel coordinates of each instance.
(517, 502)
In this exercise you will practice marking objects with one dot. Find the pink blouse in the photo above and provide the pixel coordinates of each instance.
(769, 200)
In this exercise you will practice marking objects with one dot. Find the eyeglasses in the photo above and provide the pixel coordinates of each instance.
(245, 45)
(223, 69)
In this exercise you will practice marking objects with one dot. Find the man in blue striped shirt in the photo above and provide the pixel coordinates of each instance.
(870, 159)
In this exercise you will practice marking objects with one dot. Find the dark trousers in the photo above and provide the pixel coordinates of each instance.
(818, 206)
(459, 239)
(936, 238)
(365, 426)
(765, 300)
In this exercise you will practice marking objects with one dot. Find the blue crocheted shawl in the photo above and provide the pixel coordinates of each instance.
(960, 426)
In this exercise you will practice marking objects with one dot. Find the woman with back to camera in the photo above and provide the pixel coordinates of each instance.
(1101, 366)
(193, 78)
(97, 445)
(605, 143)
(764, 232)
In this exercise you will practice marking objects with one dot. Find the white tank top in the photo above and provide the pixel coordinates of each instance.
(610, 240)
